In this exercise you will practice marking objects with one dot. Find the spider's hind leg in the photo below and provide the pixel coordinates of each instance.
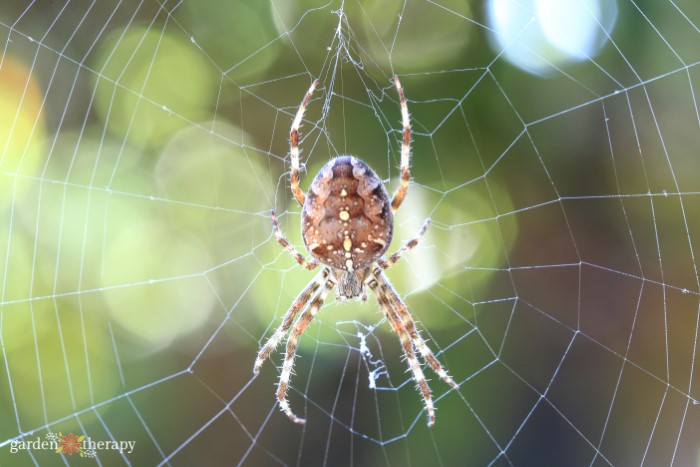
(401, 191)
(294, 145)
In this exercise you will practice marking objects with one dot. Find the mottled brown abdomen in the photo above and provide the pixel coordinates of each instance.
(347, 222)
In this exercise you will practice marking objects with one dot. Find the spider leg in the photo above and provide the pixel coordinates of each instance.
(400, 193)
(406, 319)
(288, 364)
(308, 264)
(288, 319)
(407, 344)
(385, 264)
(294, 145)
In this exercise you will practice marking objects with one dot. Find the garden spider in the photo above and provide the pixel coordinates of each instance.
(347, 225)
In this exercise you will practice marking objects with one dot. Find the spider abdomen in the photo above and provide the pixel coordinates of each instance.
(347, 221)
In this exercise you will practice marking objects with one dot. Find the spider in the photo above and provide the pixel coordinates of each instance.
(347, 225)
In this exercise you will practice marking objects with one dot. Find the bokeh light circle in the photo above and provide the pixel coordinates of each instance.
(539, 36)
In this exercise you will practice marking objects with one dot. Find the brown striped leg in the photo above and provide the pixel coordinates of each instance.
(406, 319)
(400, 193)
(288, 364)
(385, 264)
(308, 264)
(407, 345)
(288, 319)
(294, 145)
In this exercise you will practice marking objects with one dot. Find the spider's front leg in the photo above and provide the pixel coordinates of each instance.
(288, 319)
(407, 344)
(403, 316)
(288, 364)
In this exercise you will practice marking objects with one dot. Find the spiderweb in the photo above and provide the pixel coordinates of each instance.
(143, 145)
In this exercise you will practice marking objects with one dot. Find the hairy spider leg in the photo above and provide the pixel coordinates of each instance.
(288, 319)
(298, 330)
(294, 145)
(308, 264)
(402, 310)
(400, 193)
(391, 304)
(404, 315)
(407, 344)
(386, 264)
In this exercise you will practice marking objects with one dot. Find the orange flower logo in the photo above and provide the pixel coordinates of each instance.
(70, 444)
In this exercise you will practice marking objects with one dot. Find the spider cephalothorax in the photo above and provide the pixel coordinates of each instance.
(347, 225)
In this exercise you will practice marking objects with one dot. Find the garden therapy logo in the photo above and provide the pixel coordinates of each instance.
(71, 444)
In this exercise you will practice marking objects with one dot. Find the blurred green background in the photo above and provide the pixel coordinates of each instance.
(143, 144)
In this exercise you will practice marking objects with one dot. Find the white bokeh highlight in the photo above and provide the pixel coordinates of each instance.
(542, 36)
